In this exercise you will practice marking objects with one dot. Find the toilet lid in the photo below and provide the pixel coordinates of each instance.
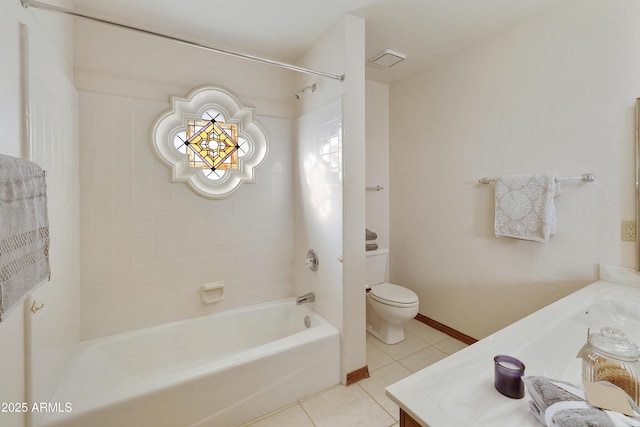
(393, 294)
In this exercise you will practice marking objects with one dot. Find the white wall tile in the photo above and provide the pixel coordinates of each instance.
(151, 243)
(319, 208)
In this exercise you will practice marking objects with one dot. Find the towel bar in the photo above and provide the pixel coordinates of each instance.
(587, 177)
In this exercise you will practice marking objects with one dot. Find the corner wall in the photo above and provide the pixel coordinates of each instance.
(341, 51)
(51, 332)
(556, 93)
(54, 331)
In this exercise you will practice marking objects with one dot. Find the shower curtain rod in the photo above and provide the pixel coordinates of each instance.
(48, 7)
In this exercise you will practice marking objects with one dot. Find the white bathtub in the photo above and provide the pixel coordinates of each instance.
(218, 370)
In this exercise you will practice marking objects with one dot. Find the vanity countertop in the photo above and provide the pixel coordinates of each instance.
(459, 390)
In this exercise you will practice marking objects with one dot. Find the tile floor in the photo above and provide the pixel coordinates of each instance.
(364, 403)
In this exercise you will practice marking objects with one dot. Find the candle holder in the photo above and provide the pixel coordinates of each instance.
(508, 376)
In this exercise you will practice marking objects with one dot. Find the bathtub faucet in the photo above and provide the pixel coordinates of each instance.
(306, 298)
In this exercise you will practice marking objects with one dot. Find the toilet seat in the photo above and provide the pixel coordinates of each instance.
(390, 294)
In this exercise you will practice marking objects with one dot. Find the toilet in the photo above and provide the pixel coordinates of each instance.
(388, 305)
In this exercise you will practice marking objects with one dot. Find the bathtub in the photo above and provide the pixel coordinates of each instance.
(217, 370)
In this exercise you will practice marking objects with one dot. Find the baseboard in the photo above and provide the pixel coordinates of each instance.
(357, 375)
(446, 329)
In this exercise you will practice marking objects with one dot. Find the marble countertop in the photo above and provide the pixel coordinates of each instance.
(459, 390)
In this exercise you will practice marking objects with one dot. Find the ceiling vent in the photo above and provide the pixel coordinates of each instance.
(387, 58)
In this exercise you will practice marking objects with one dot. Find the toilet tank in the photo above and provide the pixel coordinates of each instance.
(376, 266)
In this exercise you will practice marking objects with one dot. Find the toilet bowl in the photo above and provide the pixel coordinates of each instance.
(389, 306)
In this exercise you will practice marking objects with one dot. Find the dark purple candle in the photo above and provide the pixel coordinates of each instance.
(508, 376)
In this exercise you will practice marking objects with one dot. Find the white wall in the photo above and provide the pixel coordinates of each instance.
(53, 118)
(377, 160)
(12, 329)
(354, 299)
(341, 51)
(148, 244)
(554, 94)
(126, 63)
(51, 332)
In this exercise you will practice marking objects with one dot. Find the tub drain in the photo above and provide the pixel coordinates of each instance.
(307, 321)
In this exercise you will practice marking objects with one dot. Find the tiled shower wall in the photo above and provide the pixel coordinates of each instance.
(319, 206)
(147, 244)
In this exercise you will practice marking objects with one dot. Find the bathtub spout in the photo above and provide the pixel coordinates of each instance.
(306, 298)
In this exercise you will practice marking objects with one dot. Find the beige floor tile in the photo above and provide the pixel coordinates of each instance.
(411, 344)
(450, 345)
(376, 358)
(362, 404)
(292, 416)
(343, 406)
(423, 358)
(424, 332)
(379, 380)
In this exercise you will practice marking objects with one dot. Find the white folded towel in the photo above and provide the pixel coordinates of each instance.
(525, 206)
(24, 231)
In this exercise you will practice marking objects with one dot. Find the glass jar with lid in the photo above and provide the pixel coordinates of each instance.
(610, 356)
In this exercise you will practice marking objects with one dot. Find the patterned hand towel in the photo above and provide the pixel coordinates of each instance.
(545, 393)
(24, 231)
(525, 206)
(560, 404)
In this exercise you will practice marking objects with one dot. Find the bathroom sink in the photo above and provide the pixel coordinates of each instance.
(620, 314)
